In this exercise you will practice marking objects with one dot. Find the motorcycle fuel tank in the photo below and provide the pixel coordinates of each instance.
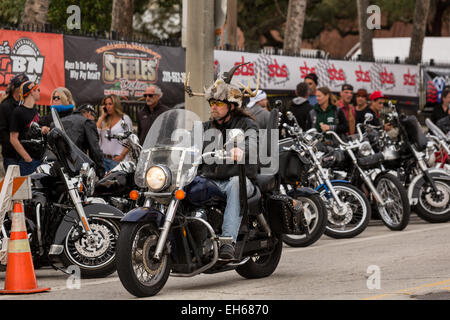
(115, 183)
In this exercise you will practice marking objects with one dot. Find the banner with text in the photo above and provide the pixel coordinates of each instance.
(284, 73)
(39, 55)
(96, 67)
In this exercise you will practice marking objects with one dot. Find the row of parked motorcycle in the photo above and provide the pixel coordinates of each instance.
(152, 216)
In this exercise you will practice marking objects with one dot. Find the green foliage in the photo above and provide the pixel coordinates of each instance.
(11, 11)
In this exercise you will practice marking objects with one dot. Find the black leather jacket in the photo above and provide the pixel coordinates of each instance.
(226, 171)
(83, 132)
(444, 124)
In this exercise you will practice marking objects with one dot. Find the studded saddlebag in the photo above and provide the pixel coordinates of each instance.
(286, 215)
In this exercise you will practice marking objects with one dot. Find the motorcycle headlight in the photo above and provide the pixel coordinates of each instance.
(365, 149)
(158, 178)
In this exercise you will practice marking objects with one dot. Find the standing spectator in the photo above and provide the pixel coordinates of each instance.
(300, 105)
(62, 102)
(109, 123)
(326, 116)
(362, 105)
(349, 110)
(83, 132)
(256, 108)
(376, 106)
(9, 102)
(444, 123)
(88, 111)
(20, 122)
(440, 111)
(312, 81)
(148, 114)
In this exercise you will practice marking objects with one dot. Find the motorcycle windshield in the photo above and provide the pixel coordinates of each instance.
(175, 143)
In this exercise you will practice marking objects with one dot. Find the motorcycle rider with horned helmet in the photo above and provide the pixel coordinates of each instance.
(225, 101)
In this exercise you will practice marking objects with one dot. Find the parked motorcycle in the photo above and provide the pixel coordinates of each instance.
(118, 187)
(365, 168)
(428, 189)
(348, 209)
(176, 232)
(63, 225)
(438, 151)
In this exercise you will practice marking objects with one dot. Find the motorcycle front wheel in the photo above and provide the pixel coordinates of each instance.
(395, 214)
(356, 216)
(96, 256)
(316, 217)
(139, 273)
(434, 207)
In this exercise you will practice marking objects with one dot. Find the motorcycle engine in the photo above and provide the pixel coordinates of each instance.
(200, 233)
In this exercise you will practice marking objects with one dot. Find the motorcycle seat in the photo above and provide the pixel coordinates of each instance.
(266, 183)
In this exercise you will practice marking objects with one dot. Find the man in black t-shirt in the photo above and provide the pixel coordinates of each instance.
(7, 106)
(20, 122)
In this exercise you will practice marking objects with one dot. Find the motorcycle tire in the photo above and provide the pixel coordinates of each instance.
(133, 267)
(316, 214)
(262, 266)
(425, 209)
(363, 204)
(390, 186)
(94, 260)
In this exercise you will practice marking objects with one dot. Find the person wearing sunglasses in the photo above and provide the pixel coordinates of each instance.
(9, 102)
(20, 123)
(152, 109)
(227, 113)
(62, 101)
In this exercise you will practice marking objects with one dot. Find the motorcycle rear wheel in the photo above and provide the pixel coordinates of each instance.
(262, 266)
(396, 215)
(316, 214)
(139, 274)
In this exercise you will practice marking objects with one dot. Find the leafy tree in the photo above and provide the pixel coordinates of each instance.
(11, 11)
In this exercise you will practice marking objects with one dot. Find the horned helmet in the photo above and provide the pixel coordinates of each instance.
(223, 90)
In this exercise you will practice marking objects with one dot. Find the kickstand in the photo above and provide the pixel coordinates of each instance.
(60, 269)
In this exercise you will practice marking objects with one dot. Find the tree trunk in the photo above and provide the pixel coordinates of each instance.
(35, 12)
(294, 26)
(122, 18)
(365, 34)
(418, 32)
(231, 39)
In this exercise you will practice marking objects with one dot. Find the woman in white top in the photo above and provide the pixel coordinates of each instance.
(110, 122)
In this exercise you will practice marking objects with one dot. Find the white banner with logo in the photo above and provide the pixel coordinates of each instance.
(284, 73)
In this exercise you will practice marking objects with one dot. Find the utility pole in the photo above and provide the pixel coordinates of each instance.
(199, 53)
(231, 40)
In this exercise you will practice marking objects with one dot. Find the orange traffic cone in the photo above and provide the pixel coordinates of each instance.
(20, 276)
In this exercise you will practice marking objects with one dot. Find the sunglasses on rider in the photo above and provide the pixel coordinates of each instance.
(56, 98)
(149, 95)
(217, 103)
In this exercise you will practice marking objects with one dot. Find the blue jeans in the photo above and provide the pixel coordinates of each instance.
(9, 162)
(27, 168)
(109, 164)
(231, 218)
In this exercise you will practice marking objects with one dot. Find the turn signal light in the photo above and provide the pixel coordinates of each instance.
(134, 195)
(180, 194)
(81, 188)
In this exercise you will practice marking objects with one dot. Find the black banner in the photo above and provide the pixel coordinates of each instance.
(97, 67)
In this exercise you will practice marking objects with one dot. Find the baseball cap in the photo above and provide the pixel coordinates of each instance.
(376, 95)
(313, 77)
(261, 95)
(362, 93)
(347, 87)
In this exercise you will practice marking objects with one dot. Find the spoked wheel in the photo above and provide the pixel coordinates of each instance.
(261, 266)
(316, 217)
(433, 206)
(139, 273)
(395, 214)
(95, 256)
(350, 220)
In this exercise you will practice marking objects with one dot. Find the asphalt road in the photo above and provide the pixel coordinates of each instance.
(379, 264)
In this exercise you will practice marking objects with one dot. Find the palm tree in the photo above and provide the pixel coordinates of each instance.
(365, 34)
(35, 12)
(418, 32)
(122, 18)
(294, 26)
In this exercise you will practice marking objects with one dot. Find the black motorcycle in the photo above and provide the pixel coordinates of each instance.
(63, 224)
(428, 189)
(176, 232)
